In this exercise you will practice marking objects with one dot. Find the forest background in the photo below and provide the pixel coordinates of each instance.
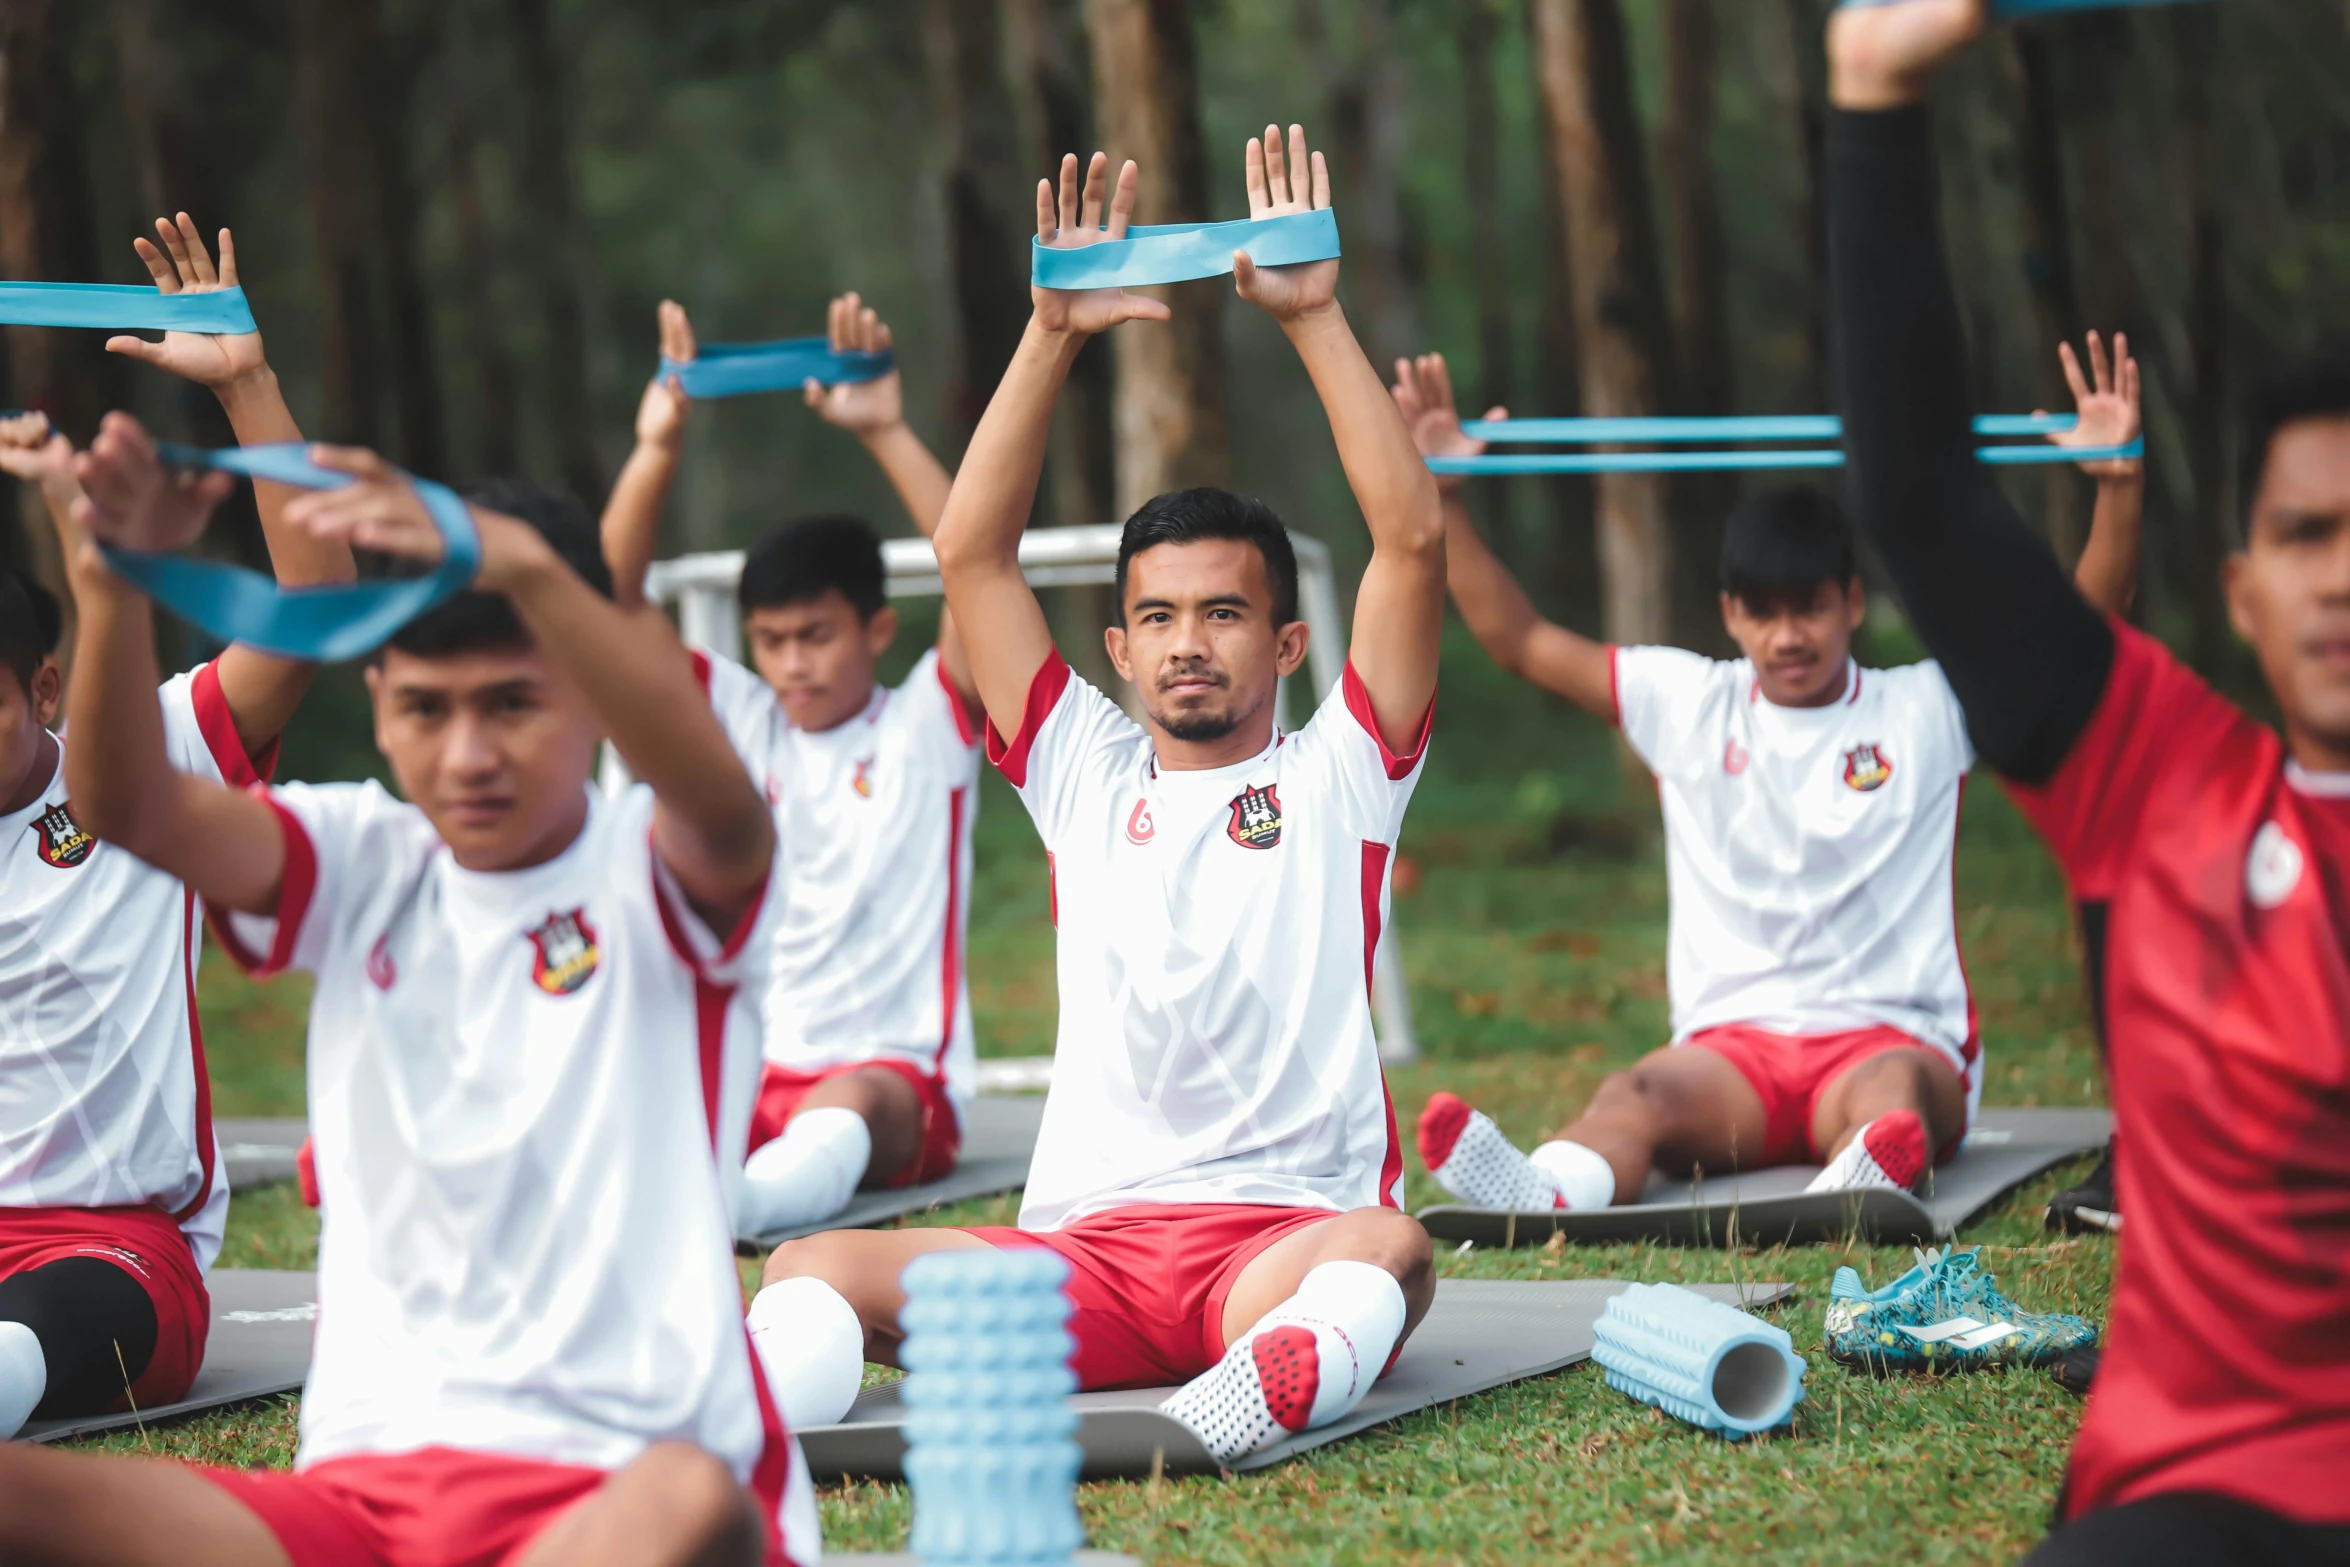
(454, 218)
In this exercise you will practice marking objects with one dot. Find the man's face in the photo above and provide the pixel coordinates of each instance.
(25, 715)
(818, 656)
(1799, 645)
(1200, 642)
(495, 747)
(2289, 590)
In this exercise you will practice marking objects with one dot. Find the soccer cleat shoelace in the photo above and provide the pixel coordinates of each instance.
(1864, 1327)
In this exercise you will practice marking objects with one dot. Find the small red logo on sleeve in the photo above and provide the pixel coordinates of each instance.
(564, 953)
(863, 782)
(1139, 826)
(381, 971)
(61, 841)
(1734, 757)
(1866, 767)
(1256, 817)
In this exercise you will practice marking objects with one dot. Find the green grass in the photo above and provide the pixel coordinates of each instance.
(1534, 942)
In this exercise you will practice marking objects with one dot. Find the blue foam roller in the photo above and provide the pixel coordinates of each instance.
(1719, 1368)
(991, 1451)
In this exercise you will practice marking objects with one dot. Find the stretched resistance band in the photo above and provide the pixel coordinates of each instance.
(323, 624)
(1788, 427)
(1179, 252)
(122, 308)
(784, 365)
(2009, 8)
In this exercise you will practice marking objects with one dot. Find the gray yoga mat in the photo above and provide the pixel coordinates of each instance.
(1480, 1334)
(1770, 1207)
(259, 1151)
(260, 1346)
(999, 1138)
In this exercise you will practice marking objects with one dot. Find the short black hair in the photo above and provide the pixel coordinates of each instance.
(472, 621)
(30, 624)
(2304, 386)
(807, 557)
(1187, 516)
(1779, 545)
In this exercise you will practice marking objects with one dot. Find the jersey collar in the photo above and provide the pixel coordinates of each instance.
(2322, 786)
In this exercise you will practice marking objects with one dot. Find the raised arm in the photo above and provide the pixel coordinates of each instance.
(710, 826)
(632, 516)
(978, 538)
(2106, 402)
(1503, 620)
(875, 413)
(2023, 651)
(262, 691)
(1399, 607)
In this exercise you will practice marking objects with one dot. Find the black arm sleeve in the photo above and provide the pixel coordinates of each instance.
(2024, 652)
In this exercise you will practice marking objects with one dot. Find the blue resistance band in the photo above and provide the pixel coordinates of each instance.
(121, 308)
(2011, 8)
(1769, 427)
(322, 624)
(1179, 252)
(784, 365)
(1807, 457)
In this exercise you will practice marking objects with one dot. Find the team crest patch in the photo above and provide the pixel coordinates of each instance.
(62, 841)
(1256, 817)
(863, 782)
(564, 953)
(1866, 768)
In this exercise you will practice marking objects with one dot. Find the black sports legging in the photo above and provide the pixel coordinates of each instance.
(2191, 1529)
(96, 1326)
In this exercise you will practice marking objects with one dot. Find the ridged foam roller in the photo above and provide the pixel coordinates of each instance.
(990, 1449)
(1712, 1365)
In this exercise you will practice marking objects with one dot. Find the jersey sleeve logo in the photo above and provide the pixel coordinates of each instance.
(2273, 869)
(382, 973)
(863, 781)
(1866, 767)
(1256, 817)
(1734, 759)
(1139, 826)
(62, 842)
(564, 953)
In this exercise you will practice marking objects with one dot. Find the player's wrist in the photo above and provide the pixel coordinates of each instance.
(1314, 322)
(515, 557)
(246, 390)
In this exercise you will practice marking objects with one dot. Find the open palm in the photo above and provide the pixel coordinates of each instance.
(183, 266)
(1075, 221)
(1280, 184)
(2106, 403)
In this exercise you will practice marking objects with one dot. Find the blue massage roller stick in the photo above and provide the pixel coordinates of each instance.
(1712, 1365)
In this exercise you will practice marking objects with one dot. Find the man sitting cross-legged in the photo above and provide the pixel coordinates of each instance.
(529, 1049)
(112, 1199)
(1811, 819)
(869, 1061)
(1218, 1160)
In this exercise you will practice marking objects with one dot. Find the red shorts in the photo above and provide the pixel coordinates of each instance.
(1791, 1071)
(1147, 1284)
(781, 1090)
(147, 1245)
(435, 1507)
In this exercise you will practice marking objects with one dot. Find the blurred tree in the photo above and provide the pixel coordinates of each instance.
(1787, 43)
(1170, 416)
(2195, 36)
(982, 186)
(1365, 83)
(2048, 257)
(1618, 292)
(389, 106)
(549, 189)
(328, 41)
(1701, 308)
(498, 421)
(1478, 25)
(1564, 505)
(161, 115)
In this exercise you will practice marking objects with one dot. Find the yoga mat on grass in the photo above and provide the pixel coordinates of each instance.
(259, 1151)
(999, 1138)
(262, 1320)
(1480, 1334)
(1770, 1207)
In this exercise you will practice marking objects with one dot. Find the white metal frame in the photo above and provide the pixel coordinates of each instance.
(702, 590)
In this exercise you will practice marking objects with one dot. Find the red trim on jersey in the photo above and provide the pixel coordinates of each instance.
(771, 1475)
(1374, 879)
(1854, 698)
(204, 1145)
(1358, 702)
(1615, 693)
(1052, 887)
(712, 998)
(701, 669)
(950, 967)
(297, 882)
(1391, 1166)
(957, 704)
(1973, 1045)
(217, 721)
(1044, 693)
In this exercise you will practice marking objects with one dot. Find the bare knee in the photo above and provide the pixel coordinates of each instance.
(825, 1256)
(694, 1500)
(1390, 1240)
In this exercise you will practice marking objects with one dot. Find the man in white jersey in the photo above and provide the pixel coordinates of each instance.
(532, 1055)
(1811, 821)
(1218, 1160)
(112, 1199)
(869, 1060)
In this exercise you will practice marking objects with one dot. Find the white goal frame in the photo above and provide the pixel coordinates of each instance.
(701, 589)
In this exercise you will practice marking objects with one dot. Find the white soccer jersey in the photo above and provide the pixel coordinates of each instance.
(1809, 850)
(1215, 932)
(104, 1100)
(873, 823)
(515, 1082)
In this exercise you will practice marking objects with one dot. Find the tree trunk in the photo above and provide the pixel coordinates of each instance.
(328, 68)
(1586, 80)
(1701, 311)
(496, 381)
(2048, 264)
(1368, 91)
(1479, 23)
(164, 128)
(982, 188)
(1563, 507)
(388, 105)
(1788, 45)
(2195, 31)
(1170, 417)
(550, 194)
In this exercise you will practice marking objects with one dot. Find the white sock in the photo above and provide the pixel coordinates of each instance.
(24, 1377)
(1306, 1362)
(808, 1174)
(1471, 1159)
(1584, 1179)
(1889, 1151)
(809, 1339)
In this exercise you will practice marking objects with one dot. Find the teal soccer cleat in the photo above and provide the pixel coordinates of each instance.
(1945, 1314)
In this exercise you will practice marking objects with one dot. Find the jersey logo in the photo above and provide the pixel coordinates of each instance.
(2273, 869)
(1866, 767)
(62, 841)
(564, 953)
(1139, 826)
(381, 972)
(863, 783)
(1734, 757)
(1256, 817)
